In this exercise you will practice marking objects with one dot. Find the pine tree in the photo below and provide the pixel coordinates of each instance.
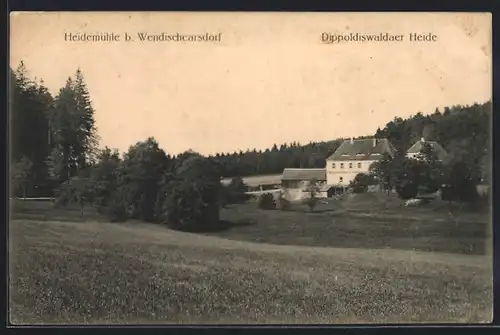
(88, 132)
(64, 127)
(31, 103)
(74, 136)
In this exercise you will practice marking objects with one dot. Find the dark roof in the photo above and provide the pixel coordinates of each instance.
(304, 174)
(363, 149)
(436, 147)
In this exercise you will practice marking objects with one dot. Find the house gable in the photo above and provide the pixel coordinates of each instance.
(417, 147)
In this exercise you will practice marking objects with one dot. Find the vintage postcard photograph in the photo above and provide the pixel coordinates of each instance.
(250, 168)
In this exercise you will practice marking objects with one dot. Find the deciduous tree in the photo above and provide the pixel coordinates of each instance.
(140, 178)
(193, 197)
(312, 190)
(77, 190)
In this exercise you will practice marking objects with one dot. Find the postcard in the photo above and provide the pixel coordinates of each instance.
(250, 168)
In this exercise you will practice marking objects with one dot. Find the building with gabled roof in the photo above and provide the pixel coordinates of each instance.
(416, 149)
(291, 177)
(355, 156)
(296, 181)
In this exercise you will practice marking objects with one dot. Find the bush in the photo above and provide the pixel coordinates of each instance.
(266, 201)
(283, 202)
(116, 211)
(187, 209)
(234, 193)
(357, 188)
(407, 190)
(463, 191)
(361, 182)
(311, 201)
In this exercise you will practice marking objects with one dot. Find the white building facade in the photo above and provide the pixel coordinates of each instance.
(354, 157)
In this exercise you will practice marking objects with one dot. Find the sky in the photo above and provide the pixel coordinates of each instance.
(270, 79)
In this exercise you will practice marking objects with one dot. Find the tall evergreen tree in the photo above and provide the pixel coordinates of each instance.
(87, 135)
(30, 104)
(74, 135)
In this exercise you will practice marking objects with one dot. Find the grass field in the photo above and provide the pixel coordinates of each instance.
(96, 272)
(355, 230)
(138, 273)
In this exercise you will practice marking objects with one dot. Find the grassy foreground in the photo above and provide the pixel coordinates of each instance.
(136, 273)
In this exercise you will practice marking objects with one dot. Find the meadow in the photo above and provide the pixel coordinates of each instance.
(364, 221)
(333, 266)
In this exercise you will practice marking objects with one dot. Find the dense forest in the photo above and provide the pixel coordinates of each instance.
(54, 137)
(464, 131)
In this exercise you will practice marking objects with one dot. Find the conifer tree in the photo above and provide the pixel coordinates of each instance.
(30, 105)
(74, 136)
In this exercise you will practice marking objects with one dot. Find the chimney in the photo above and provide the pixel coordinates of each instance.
(374, 142)
(422, 139)
(352, 140)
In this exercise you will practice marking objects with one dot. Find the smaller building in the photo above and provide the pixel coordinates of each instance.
(297, 182)
(416, 149)
(258, 183)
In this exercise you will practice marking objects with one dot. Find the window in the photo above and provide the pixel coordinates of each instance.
(350, 165)
(333, 165)
(341, 165)
(359, 165)
(341, 179)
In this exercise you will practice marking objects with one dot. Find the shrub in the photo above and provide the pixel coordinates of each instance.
(357, 188)
(361, 182)
(407, 190)
(283, 202)
(312, 190)
(77, 190)
(116, 211)
(234, 193)
(266, 201)
(462, 190)
(188, 209)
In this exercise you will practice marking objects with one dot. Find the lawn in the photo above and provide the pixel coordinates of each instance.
(44, 210)
(381, 204)
(357, 261)
(105, 273)
(403, 228)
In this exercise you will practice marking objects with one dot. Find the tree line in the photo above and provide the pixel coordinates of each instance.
(51, 138)
(55, 152)
(464, 131)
